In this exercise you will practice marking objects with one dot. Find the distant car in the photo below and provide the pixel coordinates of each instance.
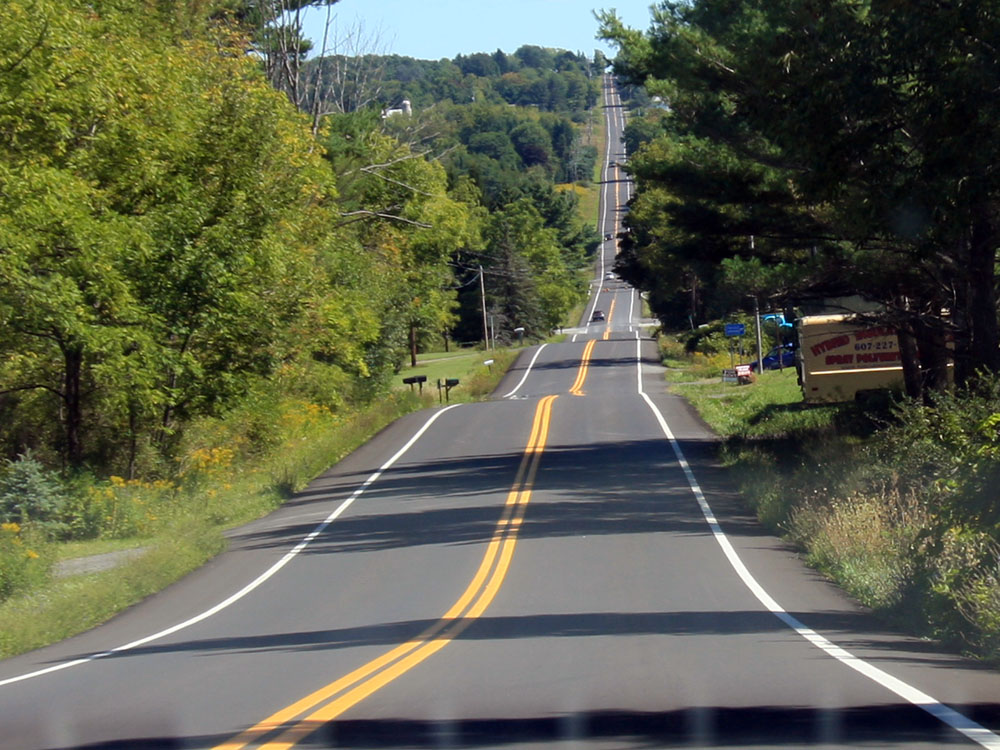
(607, 237)
(597, 316)
(771, 361)
(609, 276)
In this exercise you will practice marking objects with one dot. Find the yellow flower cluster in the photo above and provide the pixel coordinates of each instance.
(304, 414)
(125, 507)
(209, 459)
(204, 457)
(158, 484)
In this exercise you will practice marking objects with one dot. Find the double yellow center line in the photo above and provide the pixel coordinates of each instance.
(581, 374)
(290, 725)
(607, 326)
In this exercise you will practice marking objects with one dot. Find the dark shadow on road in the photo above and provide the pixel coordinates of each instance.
(574, 361)
(704, 727)
(607, 488)
(851, 630)
(757, 727)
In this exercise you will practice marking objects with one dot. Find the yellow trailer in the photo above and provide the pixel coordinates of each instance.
(839, 357)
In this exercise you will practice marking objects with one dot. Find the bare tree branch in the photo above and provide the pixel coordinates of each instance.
(418, 191)
(30, 48)
(362, 214)
(33, 387)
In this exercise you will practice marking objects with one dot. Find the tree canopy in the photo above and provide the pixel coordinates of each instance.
(851, 141)
(176, 236)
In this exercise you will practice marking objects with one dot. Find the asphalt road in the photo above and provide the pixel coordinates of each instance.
(563, 567)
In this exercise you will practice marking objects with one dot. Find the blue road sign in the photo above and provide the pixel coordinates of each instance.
(735, 329)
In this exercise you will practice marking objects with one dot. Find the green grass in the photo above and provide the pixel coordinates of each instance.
(589, 205)
(441, 365)
(476, 379)
(74, 604)
(771, 407)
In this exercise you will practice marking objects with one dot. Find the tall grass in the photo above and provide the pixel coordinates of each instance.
(897, 502)
(66, 606)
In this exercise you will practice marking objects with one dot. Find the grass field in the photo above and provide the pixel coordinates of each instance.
(772, 407)
(465, 364)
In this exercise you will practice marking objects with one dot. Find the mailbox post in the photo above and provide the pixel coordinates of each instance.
(447, 384)
(418, 379)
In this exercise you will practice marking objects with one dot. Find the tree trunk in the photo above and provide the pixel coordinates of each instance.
(413, 345)
(985, 345)
(912, 379)
(694, 299)
(960, 323)
(935, 357)
(73, 399)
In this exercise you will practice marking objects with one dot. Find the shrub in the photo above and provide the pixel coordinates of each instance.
(671, 348)
(979, 603)
(710, 339)
(30, 494)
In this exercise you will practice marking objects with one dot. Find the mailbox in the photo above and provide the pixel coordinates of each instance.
(421, 379)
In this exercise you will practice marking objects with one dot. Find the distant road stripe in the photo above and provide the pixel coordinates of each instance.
(957, 721)
(333, 699)
(263, 577)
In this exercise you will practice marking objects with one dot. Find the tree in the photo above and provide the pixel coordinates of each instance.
(151, 194)
(276, 26)
(533, 144)
(854, 107)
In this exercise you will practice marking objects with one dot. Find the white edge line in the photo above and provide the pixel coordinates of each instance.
(528, 370)
(305, 542)
(957, 721)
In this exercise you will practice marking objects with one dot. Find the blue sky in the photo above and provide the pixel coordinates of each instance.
(433, 29)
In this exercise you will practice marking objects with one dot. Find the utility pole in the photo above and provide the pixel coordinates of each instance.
(756, 319)
(760, 350)
(482, 293)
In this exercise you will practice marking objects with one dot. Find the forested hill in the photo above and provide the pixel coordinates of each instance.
(182, 236)
(551, 80)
